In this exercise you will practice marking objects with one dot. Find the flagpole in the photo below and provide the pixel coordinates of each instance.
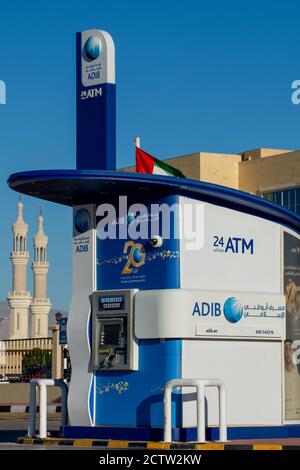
(137, 142)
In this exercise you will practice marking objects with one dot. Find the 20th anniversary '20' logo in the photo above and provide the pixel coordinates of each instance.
(136, 256)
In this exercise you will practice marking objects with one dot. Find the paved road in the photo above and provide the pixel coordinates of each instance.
(14, 425)
(11, 446)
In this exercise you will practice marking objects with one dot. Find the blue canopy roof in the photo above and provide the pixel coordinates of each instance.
(72, 187)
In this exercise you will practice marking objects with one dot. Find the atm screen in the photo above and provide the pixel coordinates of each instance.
(111, 334)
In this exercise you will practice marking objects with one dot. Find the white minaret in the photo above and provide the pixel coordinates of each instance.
(19, 299)
(40, 306)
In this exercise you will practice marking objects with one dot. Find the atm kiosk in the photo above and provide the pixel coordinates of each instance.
(151, 309)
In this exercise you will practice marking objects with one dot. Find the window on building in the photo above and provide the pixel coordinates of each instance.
(288, 198)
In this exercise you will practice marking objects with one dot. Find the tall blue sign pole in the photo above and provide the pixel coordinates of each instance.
(96, 101)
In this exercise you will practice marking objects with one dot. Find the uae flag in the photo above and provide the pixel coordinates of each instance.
(145, 163)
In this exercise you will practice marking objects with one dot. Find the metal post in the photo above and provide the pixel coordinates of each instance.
(200, 413)
(168, 413)
(222, 413)
(43, 410)
(64, 402)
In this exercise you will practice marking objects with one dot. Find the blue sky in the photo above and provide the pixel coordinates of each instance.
(191, 76)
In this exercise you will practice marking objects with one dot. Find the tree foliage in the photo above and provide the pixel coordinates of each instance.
(36, 358)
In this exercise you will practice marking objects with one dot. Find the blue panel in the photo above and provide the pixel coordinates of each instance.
(136, 398)
(179, 434)
(63, 330)
(96, 122)
(160, 269)
(252, 432)
(112, 433)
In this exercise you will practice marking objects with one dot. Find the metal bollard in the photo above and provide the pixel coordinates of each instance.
(200, 385)
(42, 384)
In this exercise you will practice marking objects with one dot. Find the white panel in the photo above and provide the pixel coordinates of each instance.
(237, 268)
(77, 329)
(101, 69)
(251, 371)
(188, 313)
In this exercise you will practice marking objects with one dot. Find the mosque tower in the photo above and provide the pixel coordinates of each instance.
(19, 299)
(40, 305)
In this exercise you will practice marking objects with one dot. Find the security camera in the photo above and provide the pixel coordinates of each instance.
(156, 241)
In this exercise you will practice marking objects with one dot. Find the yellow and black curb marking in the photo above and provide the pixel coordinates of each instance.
(151, 445)
(25, 409)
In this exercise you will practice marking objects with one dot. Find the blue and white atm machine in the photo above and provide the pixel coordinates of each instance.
(114, 345)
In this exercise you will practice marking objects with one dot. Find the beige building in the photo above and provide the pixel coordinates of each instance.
(270, 173)
(20, 300)
(40, 306)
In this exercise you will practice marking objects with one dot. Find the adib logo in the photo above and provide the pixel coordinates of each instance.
(232, 309)
(82, 223)
(92, 49)
(82, 220)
